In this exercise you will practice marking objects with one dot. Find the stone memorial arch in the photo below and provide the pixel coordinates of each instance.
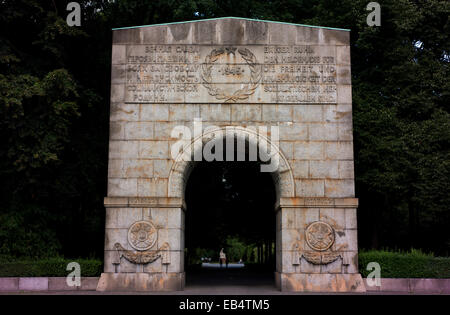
(234, 76)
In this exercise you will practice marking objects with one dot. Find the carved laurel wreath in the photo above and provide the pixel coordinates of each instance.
(144, 257)
(240, 94)
(323, 258)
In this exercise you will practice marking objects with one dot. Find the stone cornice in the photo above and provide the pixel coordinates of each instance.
(317, 202)
(144, 202)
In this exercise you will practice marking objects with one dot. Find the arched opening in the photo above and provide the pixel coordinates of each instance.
(230, 205)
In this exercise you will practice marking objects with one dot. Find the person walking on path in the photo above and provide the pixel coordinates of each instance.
(222, 258)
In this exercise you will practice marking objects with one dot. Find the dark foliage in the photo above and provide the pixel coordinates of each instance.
(49, 267)
(54, 89)
(413, 264)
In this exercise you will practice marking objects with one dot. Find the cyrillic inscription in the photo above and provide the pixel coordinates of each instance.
(221, 74)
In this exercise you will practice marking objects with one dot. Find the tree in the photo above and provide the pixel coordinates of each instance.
(54, 87)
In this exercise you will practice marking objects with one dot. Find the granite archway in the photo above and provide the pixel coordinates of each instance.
(180, 170)
(231, 72)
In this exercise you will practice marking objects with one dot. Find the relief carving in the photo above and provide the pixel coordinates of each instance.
(320, 237)
(241, 94)
(144, 257)
(143, 235)
(177, 74)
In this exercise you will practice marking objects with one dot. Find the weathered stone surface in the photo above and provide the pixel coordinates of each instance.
(122, 187)
(33, 284)
(306, 216)
(89, 283)
(153, 150)
(304, 282)
(309, 150)
(342, 150)
(350, 218)
(9, 284)
(123, 149)
(429, 285)
(115, 235)
(159, 216)
(293, 131)
(333, 216)
(59, 284)
(344, 94)
(310, 188)
(395, 285)
(132, 168)
(154, 112)
(334, 267)
(323, 131)
(138, 131)
(129, 282)
(118, 55)
(173, 237)
(308, 113)
(117, 93)
(343, 55)
(347, 240)
(122, 218)
(152, 187)
(308, 268)
(346, 169)
(339, 188)
(287, 149)
(136, 202)
(246, 113)
(419, 286)
(39, 284)
(118, 74)
(235, 75)
(318, 202)
(191, 71)
(124, 112)
(323, 169)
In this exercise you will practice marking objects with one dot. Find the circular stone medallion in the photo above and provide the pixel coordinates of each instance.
(142, 235)
(319, 236)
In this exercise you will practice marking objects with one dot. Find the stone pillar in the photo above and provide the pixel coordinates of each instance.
(144, 245)
(317, 245)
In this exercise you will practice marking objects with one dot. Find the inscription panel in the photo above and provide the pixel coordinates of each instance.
(230, 74)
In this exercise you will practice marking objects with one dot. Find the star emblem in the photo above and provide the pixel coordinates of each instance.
(230, 50)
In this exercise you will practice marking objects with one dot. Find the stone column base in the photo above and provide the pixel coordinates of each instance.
(317, 282)
(131, 282)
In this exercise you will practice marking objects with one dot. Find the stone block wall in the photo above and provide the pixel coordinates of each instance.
(291, 76)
